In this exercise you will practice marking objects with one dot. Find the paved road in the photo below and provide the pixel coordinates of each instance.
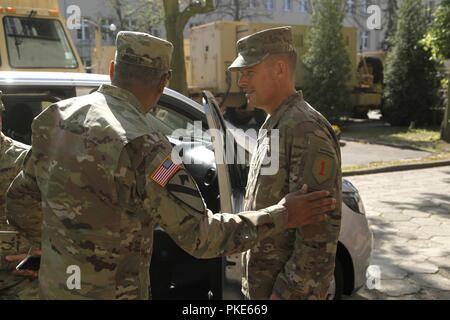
(355, 153)
(409, 214)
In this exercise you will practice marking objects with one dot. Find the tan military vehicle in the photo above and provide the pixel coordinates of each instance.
(213, 48)
(34, 37)
(368, 91)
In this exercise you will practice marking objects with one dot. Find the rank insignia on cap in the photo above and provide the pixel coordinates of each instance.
(165, 172)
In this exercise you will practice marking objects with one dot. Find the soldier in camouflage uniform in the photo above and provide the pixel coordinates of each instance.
(11, 243)
(296, 263)
(106, 178)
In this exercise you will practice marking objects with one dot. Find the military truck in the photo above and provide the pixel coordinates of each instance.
(213, 48)
(34, 37)
(368, 91)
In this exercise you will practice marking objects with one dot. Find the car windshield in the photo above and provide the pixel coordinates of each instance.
(37, 43)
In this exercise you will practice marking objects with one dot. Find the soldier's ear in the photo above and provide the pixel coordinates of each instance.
(279, 67)
(162, 84)
(286, 68)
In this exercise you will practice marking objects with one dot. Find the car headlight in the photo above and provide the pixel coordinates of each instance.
(351, 197)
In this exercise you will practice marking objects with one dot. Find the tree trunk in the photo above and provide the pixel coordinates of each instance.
(392, 10)
(172, 13)
(175, 21)
(237, 11)
(445, 130)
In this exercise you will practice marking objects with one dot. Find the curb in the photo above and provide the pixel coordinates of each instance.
(403, 167)
(393, 145)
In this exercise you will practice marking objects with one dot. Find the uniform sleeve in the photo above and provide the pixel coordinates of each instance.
(23, 203)
(173, 199)
(315, 161)
(12, 155)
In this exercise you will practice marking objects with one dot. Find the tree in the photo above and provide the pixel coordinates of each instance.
(438, 40)
(411, 78)
(438, 36)
(240, 10)
(391, 15)
(137, 15)
(119, 8)
(327, 63)
(175, 22)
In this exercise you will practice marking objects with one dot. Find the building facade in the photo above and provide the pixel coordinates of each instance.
(103, 13)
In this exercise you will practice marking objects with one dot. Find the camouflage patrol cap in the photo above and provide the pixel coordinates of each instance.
(142, 49)
(256, 47)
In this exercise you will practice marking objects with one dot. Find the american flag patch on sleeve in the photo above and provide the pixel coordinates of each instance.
(165, 172)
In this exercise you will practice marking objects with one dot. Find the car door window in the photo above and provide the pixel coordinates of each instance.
(20, 110)
(216, 122)
(177, 125)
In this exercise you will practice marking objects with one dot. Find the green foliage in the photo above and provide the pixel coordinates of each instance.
(145, 14)
(391, 13)
(327, 78)
(438, 37)
(411, 78)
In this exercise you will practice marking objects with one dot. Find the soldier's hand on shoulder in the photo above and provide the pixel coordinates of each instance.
(19, 258)
(307, 208)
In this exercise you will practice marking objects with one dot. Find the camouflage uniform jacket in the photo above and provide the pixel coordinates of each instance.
(95, 161)
(12, 154)
(296, 263)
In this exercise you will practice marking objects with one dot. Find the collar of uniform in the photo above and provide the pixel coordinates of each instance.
(273, 120)
(121, 94)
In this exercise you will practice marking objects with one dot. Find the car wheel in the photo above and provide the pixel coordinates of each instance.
(337, 283)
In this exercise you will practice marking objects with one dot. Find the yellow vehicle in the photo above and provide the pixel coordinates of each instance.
(368, 91)
(34, 37)
(102, 56)
(211, 48)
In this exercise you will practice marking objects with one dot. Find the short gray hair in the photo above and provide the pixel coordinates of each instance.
(290, 57)
(125, 72)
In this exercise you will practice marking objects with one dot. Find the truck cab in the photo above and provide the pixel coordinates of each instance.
(34, 37)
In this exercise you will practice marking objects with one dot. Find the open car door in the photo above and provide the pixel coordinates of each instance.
(231, 195)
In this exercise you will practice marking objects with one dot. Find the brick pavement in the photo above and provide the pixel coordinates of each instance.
(409, 215)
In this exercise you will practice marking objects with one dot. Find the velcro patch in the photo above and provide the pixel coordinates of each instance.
(183, 188)
(321, 163)
(323, 167)
(165, 172)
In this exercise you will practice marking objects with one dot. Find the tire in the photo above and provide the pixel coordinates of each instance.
(337, 283)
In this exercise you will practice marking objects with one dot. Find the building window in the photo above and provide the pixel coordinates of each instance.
(253, 4)
(364, 6)
(364, 40)
(287, 5)
(83, 33)
(303, 5)
(350, 7)
(130, 24)
(269, 5)
(106, 33)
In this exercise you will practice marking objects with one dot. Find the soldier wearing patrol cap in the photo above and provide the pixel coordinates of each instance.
(106, 177)
(296, 263)
(12, 155)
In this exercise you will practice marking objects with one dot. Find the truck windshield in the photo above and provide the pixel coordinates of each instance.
(37, 43)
